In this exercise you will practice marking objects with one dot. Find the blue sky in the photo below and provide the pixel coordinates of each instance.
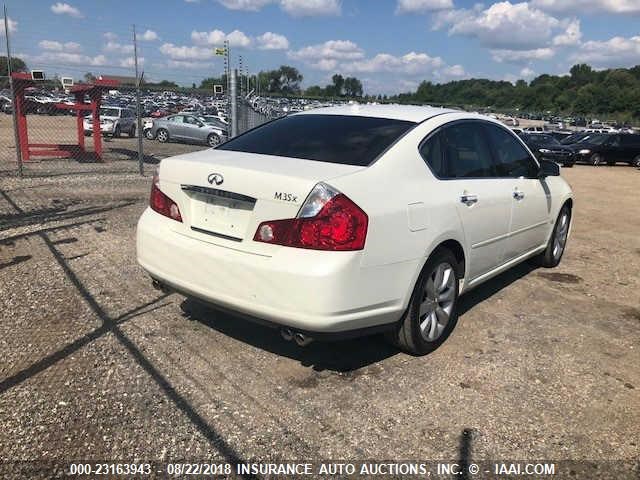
(391, 45)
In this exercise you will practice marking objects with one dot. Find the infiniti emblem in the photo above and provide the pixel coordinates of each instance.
(215, 178)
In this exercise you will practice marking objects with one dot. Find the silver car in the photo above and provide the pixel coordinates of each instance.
(186, 128)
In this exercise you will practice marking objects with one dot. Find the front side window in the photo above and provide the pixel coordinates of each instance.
(512, 159)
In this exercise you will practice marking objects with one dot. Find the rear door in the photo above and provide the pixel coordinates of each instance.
(192, 129)
(530, 197)
(460, 155)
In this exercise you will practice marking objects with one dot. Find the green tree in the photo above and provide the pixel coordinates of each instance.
(352, 87)
(17, 65)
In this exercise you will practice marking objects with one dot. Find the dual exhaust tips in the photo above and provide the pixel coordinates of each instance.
(300, 338)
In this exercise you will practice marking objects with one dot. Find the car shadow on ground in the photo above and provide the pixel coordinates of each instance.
(338, 356)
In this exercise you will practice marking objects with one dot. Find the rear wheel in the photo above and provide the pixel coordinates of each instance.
(432, 313)
(148, 133)
(116, 131)
(213, 140)
(596, 159)
(132, 131)
(555, 248)
(636, 162)
(162, 135)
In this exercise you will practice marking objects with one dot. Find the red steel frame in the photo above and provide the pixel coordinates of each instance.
(21, 81)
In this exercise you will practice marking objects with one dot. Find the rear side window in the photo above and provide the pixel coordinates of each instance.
(513, 160)
(348, 140)
(459, 151)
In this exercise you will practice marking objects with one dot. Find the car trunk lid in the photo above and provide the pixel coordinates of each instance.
(224, 195)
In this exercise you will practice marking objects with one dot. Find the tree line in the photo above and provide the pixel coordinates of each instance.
(614, 93)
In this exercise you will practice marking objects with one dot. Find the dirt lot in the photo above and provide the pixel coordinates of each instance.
(97, 365)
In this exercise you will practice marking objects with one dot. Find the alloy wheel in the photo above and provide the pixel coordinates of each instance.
(560, 239)
(438, 297)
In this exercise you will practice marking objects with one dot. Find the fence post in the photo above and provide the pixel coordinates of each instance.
(234, 104)
(13, 94)
(138, 109)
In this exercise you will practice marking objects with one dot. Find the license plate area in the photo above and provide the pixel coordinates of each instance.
(221, 213)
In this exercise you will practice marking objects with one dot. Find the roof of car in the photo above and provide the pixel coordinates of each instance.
(411, 113)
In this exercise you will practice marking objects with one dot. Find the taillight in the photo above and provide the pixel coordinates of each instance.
(328, 220)
(161, 203)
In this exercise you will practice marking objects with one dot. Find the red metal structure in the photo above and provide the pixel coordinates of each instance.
(22, 81)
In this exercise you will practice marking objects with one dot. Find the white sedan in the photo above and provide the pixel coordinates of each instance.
(350, 220)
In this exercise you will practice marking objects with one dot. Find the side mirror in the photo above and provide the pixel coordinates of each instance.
(548, 169)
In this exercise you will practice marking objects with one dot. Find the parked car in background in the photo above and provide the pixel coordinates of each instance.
(187, 128)
(546, 146)
(113, 121)
(610, 149)
(348, 221)
(575, 138)
(535, 130)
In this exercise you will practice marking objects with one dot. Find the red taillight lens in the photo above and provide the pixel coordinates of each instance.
(162, 204)
(339, 225)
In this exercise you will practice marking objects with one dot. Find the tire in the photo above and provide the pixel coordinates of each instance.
(435, 291)
(148, 133)
(162, 135)
(213, 140)
(636, 162)
(569, 165)
(596, 159)
(551, 257)
(116, 132)
(132, 131)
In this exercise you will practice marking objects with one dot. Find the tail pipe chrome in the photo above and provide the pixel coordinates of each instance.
(300, 338)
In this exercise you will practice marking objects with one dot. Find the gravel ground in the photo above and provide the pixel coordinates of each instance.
(97, 365)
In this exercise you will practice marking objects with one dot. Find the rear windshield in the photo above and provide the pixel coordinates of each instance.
(349, 140)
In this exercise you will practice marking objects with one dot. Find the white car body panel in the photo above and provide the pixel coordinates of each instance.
(410, 212)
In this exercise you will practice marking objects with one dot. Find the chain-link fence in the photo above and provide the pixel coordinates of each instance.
(58, 137)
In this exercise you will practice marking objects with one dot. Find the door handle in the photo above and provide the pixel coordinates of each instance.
(518, 195)
(468, 199)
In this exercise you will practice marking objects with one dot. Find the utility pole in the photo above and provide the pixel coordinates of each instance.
(234, 104)
(240, 68)
(13, 93)
(138, 107)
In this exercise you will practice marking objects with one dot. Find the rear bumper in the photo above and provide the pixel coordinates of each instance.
(320, 293)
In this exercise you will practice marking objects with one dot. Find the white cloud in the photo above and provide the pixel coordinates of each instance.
(411, 63)
(246, 5)
(615, 52)
(149, 36)
(310, 8)
(422, 6)
(571, 36)
(217, 38)
(454, 71)
(66, 9)
(13, 25)
(272, 41)
(295, 8)
(53, 45)
(130, 62)
(110, 36)
(238, 39)
(591, 6)
(176, 52)
(527, 74)
(502, 25)
(116, 47)
(522, 56)
(63, 58)
(329, 50)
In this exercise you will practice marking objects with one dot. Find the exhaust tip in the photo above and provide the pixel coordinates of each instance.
(302, 340)
(287, 334)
